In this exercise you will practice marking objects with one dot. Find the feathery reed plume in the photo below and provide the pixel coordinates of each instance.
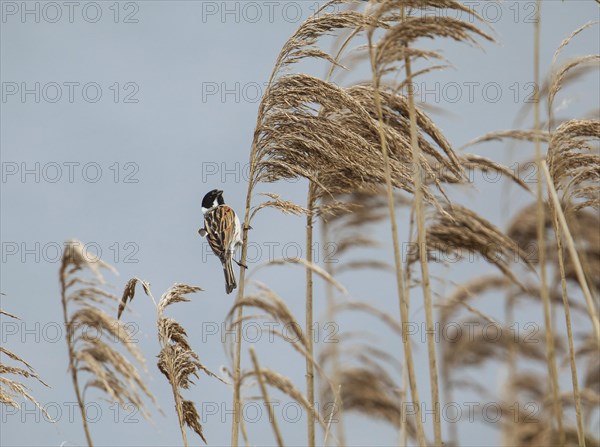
(396, 46)
(531, 422)
(345, 228)
(520, 135)
(569, 167)
(286, 386)
(11, 389)
(299, 46)
(107, 369)
(522, 230)
(466, 292)
(373, 393)
(348, 219)
(484, 165)
(176, 360)
(274, 308)
(462, 230)
(560, 217)
(573, 168)
(480, 346)
(573, 165)
(588, 351)
(364, 377)
(310, 128)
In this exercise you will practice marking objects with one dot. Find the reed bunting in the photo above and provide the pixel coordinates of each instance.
(223, 232)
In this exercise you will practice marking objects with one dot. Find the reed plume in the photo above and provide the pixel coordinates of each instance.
(176, 359)
(371, 137)
(84, 300)
(12, 389)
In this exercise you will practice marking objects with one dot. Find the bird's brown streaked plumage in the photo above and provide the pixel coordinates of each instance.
(220, 227)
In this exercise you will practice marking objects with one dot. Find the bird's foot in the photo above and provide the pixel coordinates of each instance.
(240, 264)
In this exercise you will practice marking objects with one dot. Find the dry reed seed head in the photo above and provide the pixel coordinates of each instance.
(129, 293)
(102, 324)
(411, 20)
(339, 148)
(484, 164)
(326, 208)
(177, 360)
(178, 364)
(192, 418)
(285, 206)
(395, 44)
(483, 344)
(569, 38)
(588, 397)
(88, 295)
(116, 383)
(396, 115)
(10, 389)
(269, 302)
(468, 291)
(566, 75)
(533, 430)
(391, 7)
(75, 259)
(574, 162)
(275, 309)
(286, 386)
(176, 294)
(371, 264)
(323, 274)
(356, 240)
(372, 393)
(529, 386)
(533, 292)
(459, 231)
(171, 330)
(522, 228)
(367, 308)
(3, 312)
(89, 328)
(5, 369)
(570, 70)
(588, 350)
(501, 135)
(584, 224)
(101, 359)
(353, 210)
(303, 43)
(16, 358)
(365, 352)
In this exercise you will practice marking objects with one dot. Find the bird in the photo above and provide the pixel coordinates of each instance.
(222, 230)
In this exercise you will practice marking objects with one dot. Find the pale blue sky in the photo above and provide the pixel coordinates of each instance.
(179, 83)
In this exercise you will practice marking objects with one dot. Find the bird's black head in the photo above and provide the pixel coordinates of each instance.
(216, 195)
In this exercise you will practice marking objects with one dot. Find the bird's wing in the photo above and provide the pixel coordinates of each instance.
(220, 228)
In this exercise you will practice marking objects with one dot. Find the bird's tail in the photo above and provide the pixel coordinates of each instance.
(230, 283)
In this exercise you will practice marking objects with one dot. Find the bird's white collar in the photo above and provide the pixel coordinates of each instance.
(207, 210)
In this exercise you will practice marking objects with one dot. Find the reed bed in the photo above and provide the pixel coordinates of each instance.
(364, 154)
(12, 389)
